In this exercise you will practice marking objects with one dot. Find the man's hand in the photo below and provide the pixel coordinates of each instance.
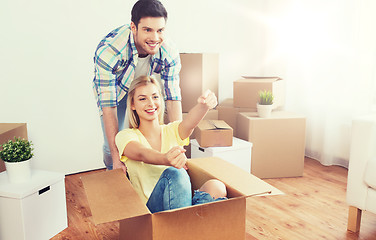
(176, 157)
(119, 164)
(208, 99)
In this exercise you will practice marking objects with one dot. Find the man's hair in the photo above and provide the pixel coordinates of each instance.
(134, 120)
(147, 8)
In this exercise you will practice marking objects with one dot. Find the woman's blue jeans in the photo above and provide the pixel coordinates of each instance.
(173, 190)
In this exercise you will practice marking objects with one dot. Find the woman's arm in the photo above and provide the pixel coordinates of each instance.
(174, 157)
(206, 102)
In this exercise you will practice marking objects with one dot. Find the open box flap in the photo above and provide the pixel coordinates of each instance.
(238, 182)
(111, 197)
(262, 79)
(213, 125)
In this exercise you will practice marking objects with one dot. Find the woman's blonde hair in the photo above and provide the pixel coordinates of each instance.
(134, 120)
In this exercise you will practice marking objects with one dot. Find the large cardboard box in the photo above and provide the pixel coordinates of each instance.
(199, 72)
(238, 154)
(214, 133)
(228, 113)
(8, 131)
(33, 210)
(278, 143)
(246, 91)
(112, 198)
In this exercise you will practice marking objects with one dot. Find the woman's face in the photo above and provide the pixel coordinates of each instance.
(147, 102)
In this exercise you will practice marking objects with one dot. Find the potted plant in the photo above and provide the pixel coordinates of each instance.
(265, 104)
(17, 154)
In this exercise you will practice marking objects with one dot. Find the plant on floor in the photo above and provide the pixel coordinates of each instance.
(17, 150)
(266, 97)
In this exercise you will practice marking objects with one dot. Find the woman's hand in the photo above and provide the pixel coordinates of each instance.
(176, 157)
(208, 99)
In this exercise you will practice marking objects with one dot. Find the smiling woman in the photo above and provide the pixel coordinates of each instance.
(153, 152)
(145, 101)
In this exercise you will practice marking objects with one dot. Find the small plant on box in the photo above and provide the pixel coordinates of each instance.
(17, 150)
(265, 104)
(266, 97)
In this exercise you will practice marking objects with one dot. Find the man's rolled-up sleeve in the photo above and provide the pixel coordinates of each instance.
(170, 76)
(104, 83)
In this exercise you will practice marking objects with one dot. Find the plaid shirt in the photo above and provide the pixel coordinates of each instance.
(115, 60)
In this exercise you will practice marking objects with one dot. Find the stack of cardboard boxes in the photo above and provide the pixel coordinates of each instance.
(199, 72)
(278, 142)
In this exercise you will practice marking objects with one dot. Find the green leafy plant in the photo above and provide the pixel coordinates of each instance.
(16, 150)
(266, 97)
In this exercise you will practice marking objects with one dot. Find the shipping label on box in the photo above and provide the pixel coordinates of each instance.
(246, 91)
(214, 133)
(212, 221)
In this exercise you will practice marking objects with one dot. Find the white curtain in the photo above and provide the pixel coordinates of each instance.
(326, 51)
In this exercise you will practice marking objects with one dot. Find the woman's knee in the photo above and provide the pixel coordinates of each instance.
(179, 177)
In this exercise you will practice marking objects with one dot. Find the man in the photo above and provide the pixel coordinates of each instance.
(126, 53)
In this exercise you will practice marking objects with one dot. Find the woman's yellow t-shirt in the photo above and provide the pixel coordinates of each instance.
(144, 176)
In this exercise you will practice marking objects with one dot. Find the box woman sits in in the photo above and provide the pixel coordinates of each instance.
(153, 152)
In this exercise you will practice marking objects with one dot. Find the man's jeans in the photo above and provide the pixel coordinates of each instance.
(121, 108)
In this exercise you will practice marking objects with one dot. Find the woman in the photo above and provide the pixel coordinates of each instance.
(153, 152)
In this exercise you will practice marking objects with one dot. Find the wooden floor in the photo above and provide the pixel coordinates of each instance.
(313, 207)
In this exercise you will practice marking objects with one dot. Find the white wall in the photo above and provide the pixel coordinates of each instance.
(326, 51)
(46, 64)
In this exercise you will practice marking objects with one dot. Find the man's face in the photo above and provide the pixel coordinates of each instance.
(148, 35)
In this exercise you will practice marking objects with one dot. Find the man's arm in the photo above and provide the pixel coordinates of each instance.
(174, 110)
(111, 127)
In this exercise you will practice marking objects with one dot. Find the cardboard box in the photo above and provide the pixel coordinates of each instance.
(33, 210)
(228, 113)
(211, 115)
(199, 72)
(278, 143)
(238, 154)
(8, 131)
(246, 91)
(214, 133)
(211, 221)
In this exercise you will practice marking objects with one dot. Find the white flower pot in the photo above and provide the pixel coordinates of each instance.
(18, 172)
(264, 111)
